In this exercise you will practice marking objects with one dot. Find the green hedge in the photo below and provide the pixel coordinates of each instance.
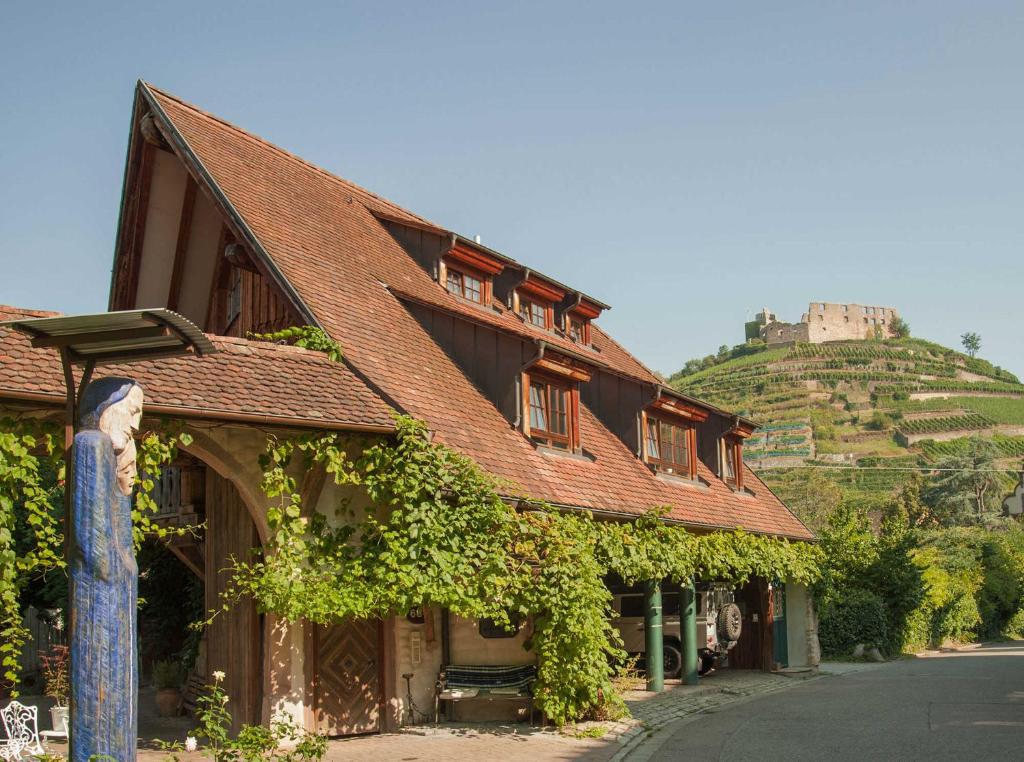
(858, 616)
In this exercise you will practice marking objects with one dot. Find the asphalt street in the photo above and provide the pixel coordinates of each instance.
(964, 705)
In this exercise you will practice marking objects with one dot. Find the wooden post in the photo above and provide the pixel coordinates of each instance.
(654, 656)
(689, 631)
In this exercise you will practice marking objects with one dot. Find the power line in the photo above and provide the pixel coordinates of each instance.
(924, 469)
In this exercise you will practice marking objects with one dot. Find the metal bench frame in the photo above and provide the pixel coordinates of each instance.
(441, 687)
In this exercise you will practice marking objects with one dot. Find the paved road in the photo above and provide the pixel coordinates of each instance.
(966, 705)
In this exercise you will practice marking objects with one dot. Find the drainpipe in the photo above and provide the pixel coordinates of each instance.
(446, 640)
(573, 305)
(512, 289)
(689, 631)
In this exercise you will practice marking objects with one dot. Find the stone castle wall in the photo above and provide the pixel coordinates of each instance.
(825, 321)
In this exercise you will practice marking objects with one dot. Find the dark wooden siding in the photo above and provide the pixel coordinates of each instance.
(264, 309)
(426, 248)
(617, 402)
(490, 359)
(709, 434)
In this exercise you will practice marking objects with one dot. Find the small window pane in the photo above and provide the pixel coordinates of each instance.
(538, 315)
(524, 309)
(538, 417)
(670, 604)
(473, 288)
(729, 467)
(653, 450)
(559, 418)
(455, 282)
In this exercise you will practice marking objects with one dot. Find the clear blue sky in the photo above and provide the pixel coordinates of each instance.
(687, 163)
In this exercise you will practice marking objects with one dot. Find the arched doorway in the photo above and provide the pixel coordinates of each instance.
(192, 493)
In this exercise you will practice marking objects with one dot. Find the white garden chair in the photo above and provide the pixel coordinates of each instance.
(22, 726)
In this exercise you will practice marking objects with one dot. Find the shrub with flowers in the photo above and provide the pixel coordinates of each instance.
(283, 741)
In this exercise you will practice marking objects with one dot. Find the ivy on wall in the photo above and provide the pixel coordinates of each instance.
(25, 445)
(441, 534)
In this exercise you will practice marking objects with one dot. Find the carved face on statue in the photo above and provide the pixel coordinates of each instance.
(118, 422)
(114, 406)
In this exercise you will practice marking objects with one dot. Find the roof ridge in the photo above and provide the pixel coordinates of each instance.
(286, 153)
(10, 309)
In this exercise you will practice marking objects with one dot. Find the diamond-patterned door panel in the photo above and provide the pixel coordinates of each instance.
(348, 682)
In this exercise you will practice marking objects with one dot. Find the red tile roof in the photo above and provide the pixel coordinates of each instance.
(322, 233)
(273, 382)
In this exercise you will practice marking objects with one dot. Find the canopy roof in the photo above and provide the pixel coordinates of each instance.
(116, 337)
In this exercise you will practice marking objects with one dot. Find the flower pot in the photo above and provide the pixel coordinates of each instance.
(168, 702)
(59, 718)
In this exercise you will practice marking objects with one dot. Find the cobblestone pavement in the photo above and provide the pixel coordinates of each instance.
(625, 740)
(654, 711)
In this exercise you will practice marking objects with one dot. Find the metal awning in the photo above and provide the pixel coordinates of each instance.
(116, 337)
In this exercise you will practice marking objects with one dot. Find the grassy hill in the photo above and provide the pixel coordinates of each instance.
(895, 403)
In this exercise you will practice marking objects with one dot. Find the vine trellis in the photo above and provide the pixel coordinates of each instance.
(441, 533)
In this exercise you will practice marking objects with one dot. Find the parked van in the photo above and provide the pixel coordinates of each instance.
(719, 624)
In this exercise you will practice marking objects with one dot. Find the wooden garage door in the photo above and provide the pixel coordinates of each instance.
(348, 678)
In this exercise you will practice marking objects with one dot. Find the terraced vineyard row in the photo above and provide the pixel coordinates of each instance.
(1010, 447)
(888, 390)
(968, 421)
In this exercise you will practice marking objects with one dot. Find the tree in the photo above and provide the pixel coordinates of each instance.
(906, 508)
(900, 328)
(971, 342)
(966, 487)
(814, 497)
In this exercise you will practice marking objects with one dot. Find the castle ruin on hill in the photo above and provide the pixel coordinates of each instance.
(823, 322)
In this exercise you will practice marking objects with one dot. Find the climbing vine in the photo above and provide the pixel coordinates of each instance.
(32, 480)
(437, 531)
(305, 336)
(26, 507)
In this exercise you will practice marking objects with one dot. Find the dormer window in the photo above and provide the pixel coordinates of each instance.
(534, 301)
(465, 285)
(550, 407)
(579, 330)
(670, 445)
(551, 401)
(468, 274)
(535, 312)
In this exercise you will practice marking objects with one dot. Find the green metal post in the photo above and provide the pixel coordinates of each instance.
(689, 628)
(654, 655)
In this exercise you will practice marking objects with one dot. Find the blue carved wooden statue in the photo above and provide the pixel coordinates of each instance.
(104, 576)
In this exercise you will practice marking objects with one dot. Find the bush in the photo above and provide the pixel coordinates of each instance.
(858, 616)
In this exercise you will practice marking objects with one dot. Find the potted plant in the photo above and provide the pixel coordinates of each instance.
(56, 665)
(167, 681)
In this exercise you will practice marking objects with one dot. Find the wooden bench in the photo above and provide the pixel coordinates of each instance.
(194, 688)
(459, 682)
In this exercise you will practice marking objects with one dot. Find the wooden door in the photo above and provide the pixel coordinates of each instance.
(348, 686)
(754, 648)
(234, 639)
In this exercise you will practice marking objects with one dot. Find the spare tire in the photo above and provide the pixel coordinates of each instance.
(730, 622)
